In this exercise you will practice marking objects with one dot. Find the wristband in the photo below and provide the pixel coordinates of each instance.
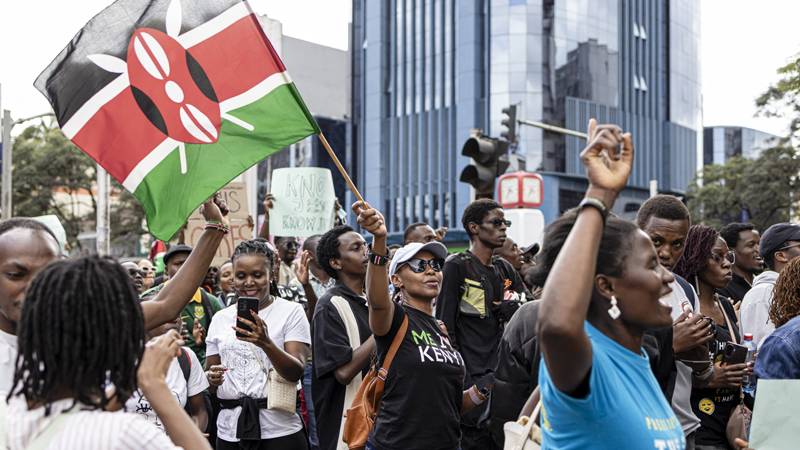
(376, 259)
(595, 203)
(219, 226)
(476, 397)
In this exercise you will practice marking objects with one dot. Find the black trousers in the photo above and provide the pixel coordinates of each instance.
(296, 441)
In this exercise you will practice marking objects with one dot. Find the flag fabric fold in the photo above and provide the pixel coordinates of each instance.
(175, 99)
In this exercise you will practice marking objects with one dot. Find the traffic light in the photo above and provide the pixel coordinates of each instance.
(509, 124)
(490, 158)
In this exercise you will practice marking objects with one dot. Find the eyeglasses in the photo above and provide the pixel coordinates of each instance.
(730, 256)
(497, 223)
(420, 265)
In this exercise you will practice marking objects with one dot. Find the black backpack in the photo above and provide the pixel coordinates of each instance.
(186, 368)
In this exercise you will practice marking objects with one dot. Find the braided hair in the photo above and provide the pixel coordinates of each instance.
(786, 296)
(261, 247)
(699, 242)
(81, 330)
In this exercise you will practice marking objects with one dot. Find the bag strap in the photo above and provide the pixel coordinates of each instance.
(398, 339)
(727, 320)
(186, 364)
(354, 337)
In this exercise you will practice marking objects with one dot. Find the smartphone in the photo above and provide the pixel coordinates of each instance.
(244, 306)
(734, 353)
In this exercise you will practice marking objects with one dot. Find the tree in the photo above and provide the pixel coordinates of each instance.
(764, 189)
(782, 99)
(52, 176)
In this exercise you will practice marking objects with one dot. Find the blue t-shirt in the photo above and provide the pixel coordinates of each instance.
(624, 407)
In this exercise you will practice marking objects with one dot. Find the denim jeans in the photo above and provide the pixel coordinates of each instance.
(312, 421)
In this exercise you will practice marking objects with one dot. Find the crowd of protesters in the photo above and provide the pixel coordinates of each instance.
(620, 330)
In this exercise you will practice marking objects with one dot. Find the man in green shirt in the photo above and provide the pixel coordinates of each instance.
(196, 315)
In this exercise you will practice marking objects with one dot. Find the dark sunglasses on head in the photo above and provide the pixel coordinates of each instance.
(497, 223)
(730, 256)
(419, 265)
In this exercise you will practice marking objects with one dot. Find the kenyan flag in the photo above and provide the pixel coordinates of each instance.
(175, 99)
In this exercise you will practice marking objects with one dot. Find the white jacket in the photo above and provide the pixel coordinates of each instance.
(754, 312)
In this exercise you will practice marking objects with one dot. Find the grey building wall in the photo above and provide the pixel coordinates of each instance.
(724, 142)
(321, 74)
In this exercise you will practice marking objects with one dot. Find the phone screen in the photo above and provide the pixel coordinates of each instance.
(244, 306)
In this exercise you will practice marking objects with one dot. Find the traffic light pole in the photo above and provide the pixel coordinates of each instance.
(552, 128)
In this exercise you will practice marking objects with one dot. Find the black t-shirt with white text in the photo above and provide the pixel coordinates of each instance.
(421, 403)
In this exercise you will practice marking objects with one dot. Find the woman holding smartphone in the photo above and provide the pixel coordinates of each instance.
(707, 263)
(243, 349)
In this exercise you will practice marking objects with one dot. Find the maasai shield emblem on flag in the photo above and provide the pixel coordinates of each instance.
(175, 99)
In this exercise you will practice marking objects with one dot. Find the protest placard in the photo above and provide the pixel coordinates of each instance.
(304, 202)
(235, 196)
(775, 415)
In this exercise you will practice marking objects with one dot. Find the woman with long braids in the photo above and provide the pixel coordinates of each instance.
(81, 356)
(707, 263)
(602, 293)
(277, 340)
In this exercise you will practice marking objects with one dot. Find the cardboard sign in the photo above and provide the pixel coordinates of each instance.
(304, 202)
(235, 196)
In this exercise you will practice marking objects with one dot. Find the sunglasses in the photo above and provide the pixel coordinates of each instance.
(790, 246)
(730, 257)
(497, 223)
(420, 265)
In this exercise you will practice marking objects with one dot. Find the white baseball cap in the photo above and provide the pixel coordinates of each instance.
(405, 253)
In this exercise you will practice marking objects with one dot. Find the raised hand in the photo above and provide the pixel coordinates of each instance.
(370, 219)
(158, 356)
(198, 333)
(269, 201)
(301, 268)
(607, 166)
(215, 210)
(441, 232)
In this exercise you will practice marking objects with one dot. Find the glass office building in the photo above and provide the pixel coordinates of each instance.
(427, 72)
(722, 143)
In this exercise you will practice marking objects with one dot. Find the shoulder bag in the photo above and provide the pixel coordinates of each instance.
(354, 338)
(739, 420)
(360, 418)
(525, 434)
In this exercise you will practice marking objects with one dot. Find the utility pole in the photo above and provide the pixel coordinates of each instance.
(5, 202)
(103, 243)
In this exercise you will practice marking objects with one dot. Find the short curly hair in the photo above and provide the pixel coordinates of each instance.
(786, 295)
(662, 206)
(699, 242)
(328, 249)
(476, 211)
(730, 232)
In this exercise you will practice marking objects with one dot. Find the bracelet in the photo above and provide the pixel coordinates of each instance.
(595, 203)
(476, 397)
(219, 226)
(376, 259)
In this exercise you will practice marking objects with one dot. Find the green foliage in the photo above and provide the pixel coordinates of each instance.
(765, 187)
(46, 166)
(782, 99)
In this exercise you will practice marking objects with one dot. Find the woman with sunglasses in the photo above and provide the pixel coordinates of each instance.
(707, 263)
(423, 396)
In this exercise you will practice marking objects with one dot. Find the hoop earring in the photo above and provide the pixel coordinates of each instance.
(614, 311)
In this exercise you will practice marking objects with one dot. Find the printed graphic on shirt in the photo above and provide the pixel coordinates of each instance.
(144, 408)
(707, 406)
(199, 312)
(435, 348)
(241, 364)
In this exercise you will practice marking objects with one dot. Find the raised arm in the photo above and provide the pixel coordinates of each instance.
(568, 290)
(170, 300)
(381, 308)
(264, 231)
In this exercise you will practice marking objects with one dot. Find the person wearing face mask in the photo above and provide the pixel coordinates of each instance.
(479, 294)
(743, 239)
(707, 263)
(238, 367)
(423, 394)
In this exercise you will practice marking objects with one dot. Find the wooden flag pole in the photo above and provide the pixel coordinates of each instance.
(339, 166)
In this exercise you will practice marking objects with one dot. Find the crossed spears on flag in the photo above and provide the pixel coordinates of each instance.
(166, 83)
(149, 58)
